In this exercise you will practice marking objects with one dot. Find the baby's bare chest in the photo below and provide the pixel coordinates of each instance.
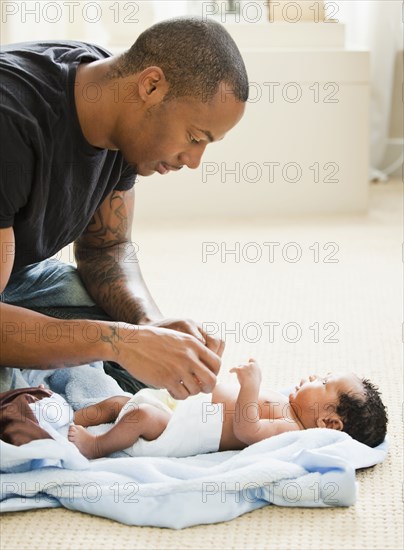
(270, 404)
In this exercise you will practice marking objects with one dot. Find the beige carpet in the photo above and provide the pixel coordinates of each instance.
(360, 296)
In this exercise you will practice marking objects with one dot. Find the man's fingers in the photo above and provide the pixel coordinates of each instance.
(214, 344)
(207, 382)
(220, 351)
(192, 329)
(189, 385)
(179, 358)
(178, 390)
(202, 372)
(194, 384)
(209, 359)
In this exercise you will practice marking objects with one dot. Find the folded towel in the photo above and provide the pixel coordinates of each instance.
(80, 386)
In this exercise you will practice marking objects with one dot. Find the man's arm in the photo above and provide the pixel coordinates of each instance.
(160, 357)
(32, 340)
(107, 262)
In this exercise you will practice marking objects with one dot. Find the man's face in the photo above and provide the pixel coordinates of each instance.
(175, 133)
(318, 396)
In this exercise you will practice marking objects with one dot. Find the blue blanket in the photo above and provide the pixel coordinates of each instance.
(312, 468)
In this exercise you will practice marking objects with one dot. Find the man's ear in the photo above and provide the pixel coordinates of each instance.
(152, 85)
(331, 421)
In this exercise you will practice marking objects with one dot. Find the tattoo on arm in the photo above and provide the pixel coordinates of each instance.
(107, 259)
(111, 337)
(110, 223)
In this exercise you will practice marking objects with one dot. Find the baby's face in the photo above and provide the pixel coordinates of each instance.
(317, 396)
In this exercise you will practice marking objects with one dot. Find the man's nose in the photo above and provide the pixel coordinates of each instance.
(192, 156)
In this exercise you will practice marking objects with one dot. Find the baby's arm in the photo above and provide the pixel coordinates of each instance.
(247, 425)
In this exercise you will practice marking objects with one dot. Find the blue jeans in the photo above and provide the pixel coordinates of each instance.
(55, 289)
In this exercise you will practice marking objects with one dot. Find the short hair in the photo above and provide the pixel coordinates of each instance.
(364, 417)
(195, 55)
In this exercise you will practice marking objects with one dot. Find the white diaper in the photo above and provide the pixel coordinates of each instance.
(195, 425)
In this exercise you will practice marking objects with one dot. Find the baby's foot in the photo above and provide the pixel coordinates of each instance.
(84, 441)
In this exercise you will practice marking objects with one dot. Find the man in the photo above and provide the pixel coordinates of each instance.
(77, 126)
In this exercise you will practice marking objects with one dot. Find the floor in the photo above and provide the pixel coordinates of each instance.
(301, 296)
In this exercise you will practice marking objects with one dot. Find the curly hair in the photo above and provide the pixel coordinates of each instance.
(364, 418)
(195, 55)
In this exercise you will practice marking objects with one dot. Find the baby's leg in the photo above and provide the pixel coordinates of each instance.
(145, 421)
(103, 412)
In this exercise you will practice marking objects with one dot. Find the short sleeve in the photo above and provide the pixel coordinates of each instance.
(127, 178)
(17, 165)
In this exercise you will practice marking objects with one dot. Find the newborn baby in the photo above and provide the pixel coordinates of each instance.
(151, 422)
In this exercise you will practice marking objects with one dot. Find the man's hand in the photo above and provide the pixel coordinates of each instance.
(248, 374)
(188, 326)
(165, 358)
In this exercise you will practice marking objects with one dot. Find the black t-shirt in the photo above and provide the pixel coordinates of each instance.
(51, 179)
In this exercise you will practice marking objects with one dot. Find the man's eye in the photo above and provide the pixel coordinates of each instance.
(193, 140)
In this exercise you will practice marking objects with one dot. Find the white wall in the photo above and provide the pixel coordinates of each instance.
(306, 132)
(102, 21)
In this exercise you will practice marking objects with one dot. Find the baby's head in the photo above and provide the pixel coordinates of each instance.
(343, 402)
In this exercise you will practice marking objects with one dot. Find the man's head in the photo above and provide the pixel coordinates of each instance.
(342, 402)
(186, 85)
(194, 55)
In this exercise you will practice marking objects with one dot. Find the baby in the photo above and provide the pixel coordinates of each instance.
(231, 418)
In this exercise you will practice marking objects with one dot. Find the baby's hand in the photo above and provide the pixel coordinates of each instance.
(248, 373)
